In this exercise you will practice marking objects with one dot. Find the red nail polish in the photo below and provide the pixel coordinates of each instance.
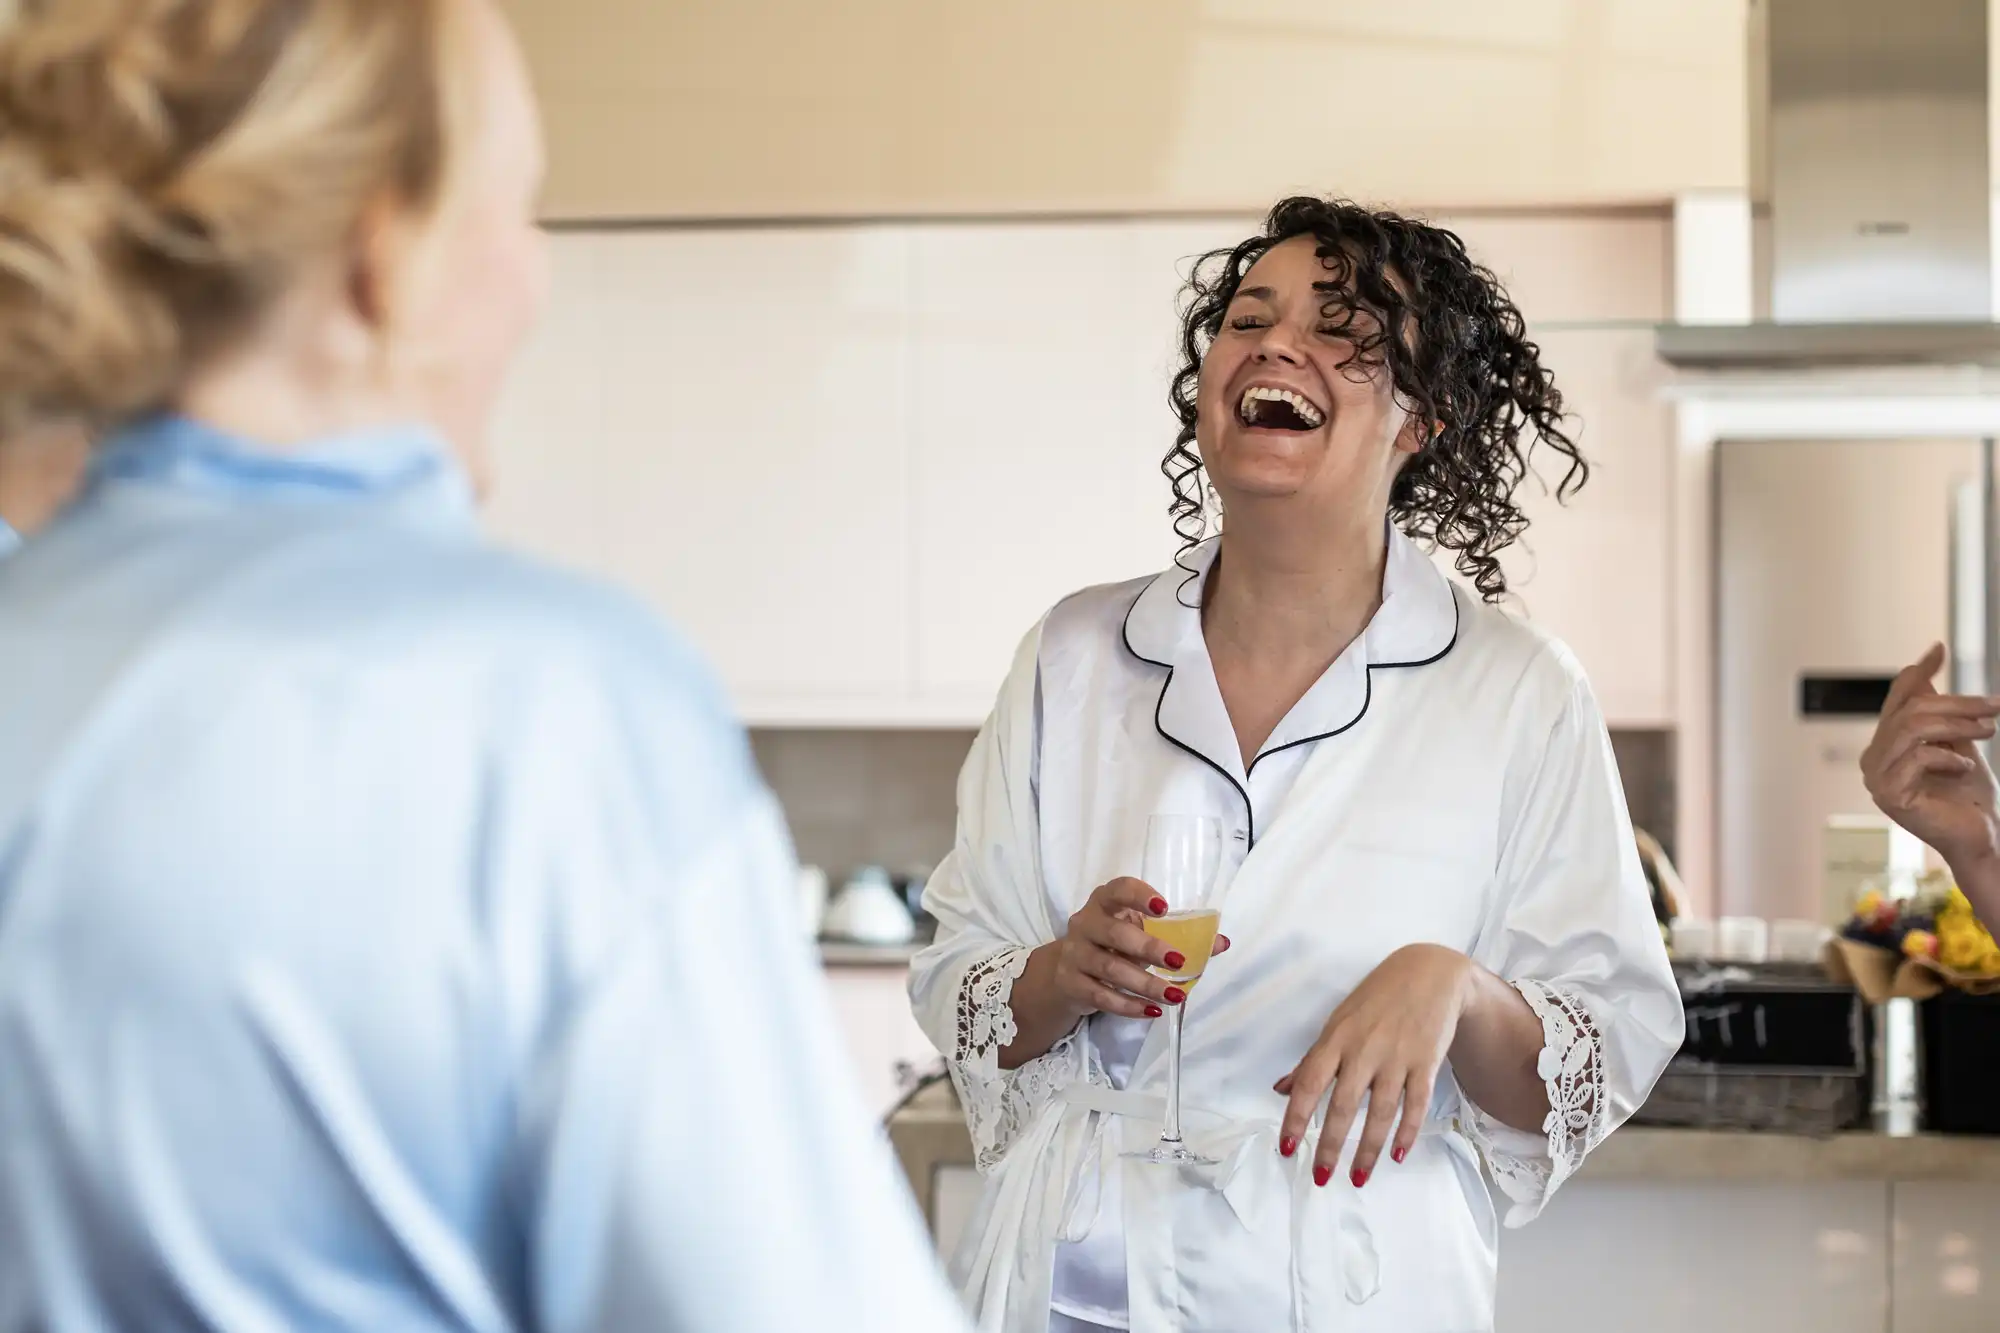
(1322, 1174)
(1287, 1146)
(1399, 1155)
(1154, 1011)
(1175, 995)
(1359, 1177)
(1175, 960)
(1159, 906)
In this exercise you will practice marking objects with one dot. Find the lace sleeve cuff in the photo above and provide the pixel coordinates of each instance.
(1001, 1104)
(1530, 1168)
(986, 1012)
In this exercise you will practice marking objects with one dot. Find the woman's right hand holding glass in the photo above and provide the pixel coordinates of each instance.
(1097, 966)
(1100, 963)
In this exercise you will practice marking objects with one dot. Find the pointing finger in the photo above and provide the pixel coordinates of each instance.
(1915, 679)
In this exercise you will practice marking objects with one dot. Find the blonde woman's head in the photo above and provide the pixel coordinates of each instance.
(289, 217)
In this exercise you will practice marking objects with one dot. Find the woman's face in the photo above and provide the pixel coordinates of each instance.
(1279, 415)
(485, 267)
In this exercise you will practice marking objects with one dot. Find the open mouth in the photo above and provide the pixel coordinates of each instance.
(1263, 408)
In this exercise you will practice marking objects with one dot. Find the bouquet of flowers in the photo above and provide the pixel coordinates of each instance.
(1917, 946)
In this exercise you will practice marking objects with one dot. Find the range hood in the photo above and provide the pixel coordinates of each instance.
(1871, 191)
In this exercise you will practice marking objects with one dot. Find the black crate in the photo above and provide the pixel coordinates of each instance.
(1961, 1063)
(1769, 1047)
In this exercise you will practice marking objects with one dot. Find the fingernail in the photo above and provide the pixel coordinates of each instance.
(1175, 961)
(1359, 1177)
(1399, 1155)
(1221, 943)
(1322, 1174)
(1287, 1146)
(1154, 1011)
(1175, 995)
(1159, 906)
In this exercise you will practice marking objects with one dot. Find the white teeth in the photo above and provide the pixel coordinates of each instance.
(1304, 406)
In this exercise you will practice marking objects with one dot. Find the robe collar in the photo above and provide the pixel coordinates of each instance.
(408, 465)
(1416, 625)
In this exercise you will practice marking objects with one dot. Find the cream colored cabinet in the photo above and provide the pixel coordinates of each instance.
(550, 456)
(1041, 366)
(856, 463)
(746, 464)
(1595, 572)
(871, 1007)
(1946, 1236)
(1722, 1257)
(706, 108)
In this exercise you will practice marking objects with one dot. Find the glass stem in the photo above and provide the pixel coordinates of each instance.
(1171, 1133)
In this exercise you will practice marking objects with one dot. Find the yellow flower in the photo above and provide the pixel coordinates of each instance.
(1964, 945)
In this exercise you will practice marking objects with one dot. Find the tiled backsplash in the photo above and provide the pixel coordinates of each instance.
(856, 798)
(889, 797)
(1646, 763)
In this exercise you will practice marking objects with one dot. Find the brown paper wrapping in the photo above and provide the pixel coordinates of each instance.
(1883, 974)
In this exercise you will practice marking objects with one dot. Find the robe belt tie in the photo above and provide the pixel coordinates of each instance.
(1251, 1176)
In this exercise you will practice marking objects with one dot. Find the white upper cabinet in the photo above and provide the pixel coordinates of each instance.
(549, 461)
(1040, 422)
(747, 471)
(856, 464)
(1596, 572)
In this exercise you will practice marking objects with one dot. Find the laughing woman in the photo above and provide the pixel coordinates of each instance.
(1442, 943)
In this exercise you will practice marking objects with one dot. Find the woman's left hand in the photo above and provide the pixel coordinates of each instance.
(1386, 1041)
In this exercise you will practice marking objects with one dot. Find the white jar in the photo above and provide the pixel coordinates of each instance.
(1743, 939)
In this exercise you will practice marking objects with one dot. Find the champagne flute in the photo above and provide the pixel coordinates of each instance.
(1182, 860)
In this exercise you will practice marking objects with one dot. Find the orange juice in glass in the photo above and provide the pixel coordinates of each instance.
(1190, 932)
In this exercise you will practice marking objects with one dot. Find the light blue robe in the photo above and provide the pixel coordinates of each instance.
(9, 539)
(395, 935)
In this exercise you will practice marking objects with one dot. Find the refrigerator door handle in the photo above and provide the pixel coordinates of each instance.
(1972, 622)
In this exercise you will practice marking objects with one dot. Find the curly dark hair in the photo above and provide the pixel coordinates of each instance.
(1407, 295)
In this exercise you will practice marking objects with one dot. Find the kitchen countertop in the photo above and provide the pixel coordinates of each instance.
(853, 953)
(837, 952)
(930, 1133)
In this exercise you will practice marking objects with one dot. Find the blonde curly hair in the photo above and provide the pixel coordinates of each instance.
(168, 168)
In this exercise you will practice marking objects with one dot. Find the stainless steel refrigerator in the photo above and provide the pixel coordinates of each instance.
(1838, 563)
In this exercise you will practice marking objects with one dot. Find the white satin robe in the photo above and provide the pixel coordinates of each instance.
(1448, 780)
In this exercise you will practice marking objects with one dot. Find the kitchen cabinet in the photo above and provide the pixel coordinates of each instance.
(1033, 428)
(746, 467)
(1595, 571)
(1668, 1231)
(759, 388)
(1042, 356)
(550, 459)
(1947, 1256)
(871, 1007)
(855, 463)
(1723, 1258)
(791, 107)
